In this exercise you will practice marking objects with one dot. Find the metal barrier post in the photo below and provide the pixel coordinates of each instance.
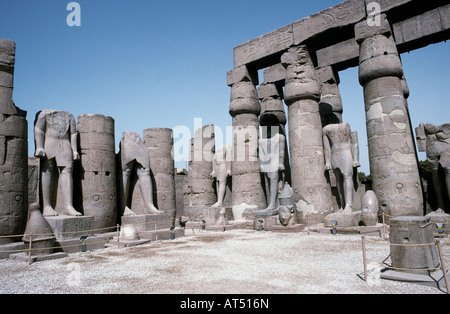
(29, 250)
(118, 236)
(364, 257)
(443, 266)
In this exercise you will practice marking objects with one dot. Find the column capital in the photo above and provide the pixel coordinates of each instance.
(242, 74)
(301, 80)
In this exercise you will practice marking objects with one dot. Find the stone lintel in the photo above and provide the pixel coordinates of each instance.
(343, 14)
(421, 26)
(431, 26)
(275, 73)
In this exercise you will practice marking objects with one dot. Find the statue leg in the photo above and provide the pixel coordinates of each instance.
(221, 186)
(349, 190)
(126, 172)
(447, 180)
(67, 190)
(437, 184)
(273, 188)
(47, 172)
(145, 184)
(340, 187)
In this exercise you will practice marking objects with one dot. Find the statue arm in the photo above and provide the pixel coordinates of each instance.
(421, 137)
(282, 147)
(39, 137)
(355, 149)
(327, 151)
(73, 142)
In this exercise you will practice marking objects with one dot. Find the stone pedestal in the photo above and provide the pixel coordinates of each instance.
(344, 219)
(12, 248)
(393, 161)
(412, 231)
(302, 95)
(69, 227)
(440, 217)
(148, 222)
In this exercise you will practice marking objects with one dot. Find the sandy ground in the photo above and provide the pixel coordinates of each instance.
(231, 262)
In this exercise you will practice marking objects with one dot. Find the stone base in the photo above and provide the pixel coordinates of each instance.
(75, 245)
(71, 227)
(148, 222)
(194, 212)
(434, 279)
(266, 223)
(221, 228)
(289, 229)
(362, 230)
(160, 235)
(127, 243)
(8, 249)
(212, 215)
(23, 257)
(343, 219)
(440, 217)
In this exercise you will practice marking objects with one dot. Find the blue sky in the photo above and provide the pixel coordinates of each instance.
(163, 63)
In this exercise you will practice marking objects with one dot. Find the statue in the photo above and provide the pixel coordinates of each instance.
(55, 137)
(435, 141)
(342, 156)
(221, 171)
(134, 155)
(271, 153)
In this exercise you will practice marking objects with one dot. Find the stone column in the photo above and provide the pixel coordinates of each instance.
(13, 151)
(393, 162)
(98, 169)
(200, 192)
(159, 145)
(302, 95)
(247, 192)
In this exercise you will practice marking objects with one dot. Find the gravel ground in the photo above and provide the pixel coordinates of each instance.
(232, 262)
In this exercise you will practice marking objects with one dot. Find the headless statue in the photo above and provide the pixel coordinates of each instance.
(134, 155)
(342, 156)
(435, 141)
(55, 137)
(271, 152)
(221, 171)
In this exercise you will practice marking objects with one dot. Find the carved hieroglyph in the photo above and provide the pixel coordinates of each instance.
(13, 151)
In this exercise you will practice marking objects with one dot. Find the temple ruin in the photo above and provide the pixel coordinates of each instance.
(285, 169)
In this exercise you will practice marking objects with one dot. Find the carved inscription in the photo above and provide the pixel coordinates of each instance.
(345, 13)
(262, 46)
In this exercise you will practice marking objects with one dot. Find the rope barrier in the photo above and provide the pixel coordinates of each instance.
(438, 244)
